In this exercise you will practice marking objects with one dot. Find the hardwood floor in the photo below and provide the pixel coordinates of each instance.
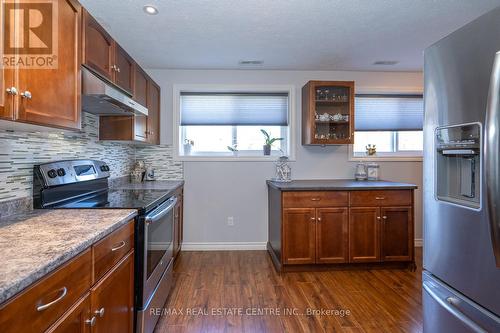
(224, 291)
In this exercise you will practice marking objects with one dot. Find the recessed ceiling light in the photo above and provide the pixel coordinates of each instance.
(151, 10)
(386, 62)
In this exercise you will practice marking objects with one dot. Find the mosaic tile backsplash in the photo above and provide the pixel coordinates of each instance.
(20, 150)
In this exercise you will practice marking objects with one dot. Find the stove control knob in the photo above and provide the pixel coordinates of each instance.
(104, 168)
(61, 172)
(107, 168)
(52, 173)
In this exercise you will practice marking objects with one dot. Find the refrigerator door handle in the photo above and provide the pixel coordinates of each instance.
(492, 157)
(449, 305)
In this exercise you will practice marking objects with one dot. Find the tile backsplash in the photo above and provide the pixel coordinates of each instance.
(20, 150)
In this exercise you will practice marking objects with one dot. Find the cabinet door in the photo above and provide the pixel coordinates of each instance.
(364, 234)
(112, 299)
(52, 96)
(299, 235)
(140, 86)
(6, 93)
(153, 113)
(124, 69)
(141, 128)
(332, 235)
(397, 234)
(98, 47)
(77, 320)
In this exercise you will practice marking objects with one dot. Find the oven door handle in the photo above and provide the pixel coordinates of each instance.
(161, 211)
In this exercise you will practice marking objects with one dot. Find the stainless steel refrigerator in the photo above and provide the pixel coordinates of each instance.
(461, 279)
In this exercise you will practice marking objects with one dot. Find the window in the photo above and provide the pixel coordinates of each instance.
(393, 123)
(228, 124)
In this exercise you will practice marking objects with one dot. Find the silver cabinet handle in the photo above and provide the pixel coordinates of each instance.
(11, 91)
(319, 219)
(491, 156)
(26, 94)
(384, 217)
(119, 246)
(113, 67)
(118, 69)
(378, 217)
(379, 198)
(312, 218)
(90, 321)
(45, 306)
(315, 199)
(100, 312)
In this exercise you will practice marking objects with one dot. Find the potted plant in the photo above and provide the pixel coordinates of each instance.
(188, 144)
(233, 149)
(268, 142)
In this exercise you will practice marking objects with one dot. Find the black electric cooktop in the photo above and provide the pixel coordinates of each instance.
(143, 200)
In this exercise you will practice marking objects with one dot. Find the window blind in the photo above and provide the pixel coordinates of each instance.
(389, 112)
(234, 108)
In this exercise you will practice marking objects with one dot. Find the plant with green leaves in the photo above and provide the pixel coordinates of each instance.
(268, 142)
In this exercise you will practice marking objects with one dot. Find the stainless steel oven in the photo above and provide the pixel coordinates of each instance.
(156, 262)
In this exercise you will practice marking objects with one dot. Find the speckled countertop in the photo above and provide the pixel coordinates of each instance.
(35, 243)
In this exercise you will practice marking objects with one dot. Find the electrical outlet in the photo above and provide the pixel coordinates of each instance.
(230, 221)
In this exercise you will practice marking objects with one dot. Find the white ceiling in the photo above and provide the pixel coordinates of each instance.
(285, 34)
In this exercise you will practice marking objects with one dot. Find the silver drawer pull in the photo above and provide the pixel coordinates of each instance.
(45, 306)
(315, 199)
(90, 321)
(384, 217)
(121, 244)
(100, 312)
(379, 198)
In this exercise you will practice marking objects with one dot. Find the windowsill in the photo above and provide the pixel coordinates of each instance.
(201, 158)
(386, 158)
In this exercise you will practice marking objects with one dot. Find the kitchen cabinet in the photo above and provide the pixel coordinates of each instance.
(178, 222)
(106, 57)
(112, 299)
(97, 47)
(153, 119)
(328, 113)
(71, 298)
(140, 86)
(397, 222)
(123, 128)
(332, 227)
(348, 226)
(364, 231)
(299, 235)
(78, 319)
(48, 96)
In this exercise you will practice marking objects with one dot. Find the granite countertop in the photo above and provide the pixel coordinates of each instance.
(339, 184)
(35, 243)
(167, 185)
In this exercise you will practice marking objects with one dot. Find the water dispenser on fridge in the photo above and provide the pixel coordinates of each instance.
(458, 165)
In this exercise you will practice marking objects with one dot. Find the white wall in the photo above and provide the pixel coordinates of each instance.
(216, 190)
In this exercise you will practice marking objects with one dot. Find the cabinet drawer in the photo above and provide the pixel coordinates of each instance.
(39, 306)
(108, 251)
(381, 198)
(315, 199)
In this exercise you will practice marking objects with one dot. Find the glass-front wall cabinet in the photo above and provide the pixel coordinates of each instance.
(328, 112)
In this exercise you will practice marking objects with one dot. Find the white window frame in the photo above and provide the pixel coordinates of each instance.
(400, 156)
(240, 157)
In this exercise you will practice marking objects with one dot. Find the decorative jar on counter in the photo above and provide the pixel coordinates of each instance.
(283, 170)
(373, 171)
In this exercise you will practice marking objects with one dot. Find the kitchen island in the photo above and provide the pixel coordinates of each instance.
(344, 223)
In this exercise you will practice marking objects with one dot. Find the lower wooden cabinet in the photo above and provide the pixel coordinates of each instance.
(396, 234)
(78, 320)
(332, 227)
(299, 235)
(112, 299)
(364, 234)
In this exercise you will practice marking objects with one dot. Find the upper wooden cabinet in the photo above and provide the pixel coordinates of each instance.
(104, 56)
(140, 86)
(98, 47)
(153, 104)
(48, 95)
(328, 113)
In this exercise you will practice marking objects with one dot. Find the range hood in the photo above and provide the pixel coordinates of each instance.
(100, 98)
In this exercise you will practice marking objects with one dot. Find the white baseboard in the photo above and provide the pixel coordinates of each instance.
(419, 242)
(223, 246)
